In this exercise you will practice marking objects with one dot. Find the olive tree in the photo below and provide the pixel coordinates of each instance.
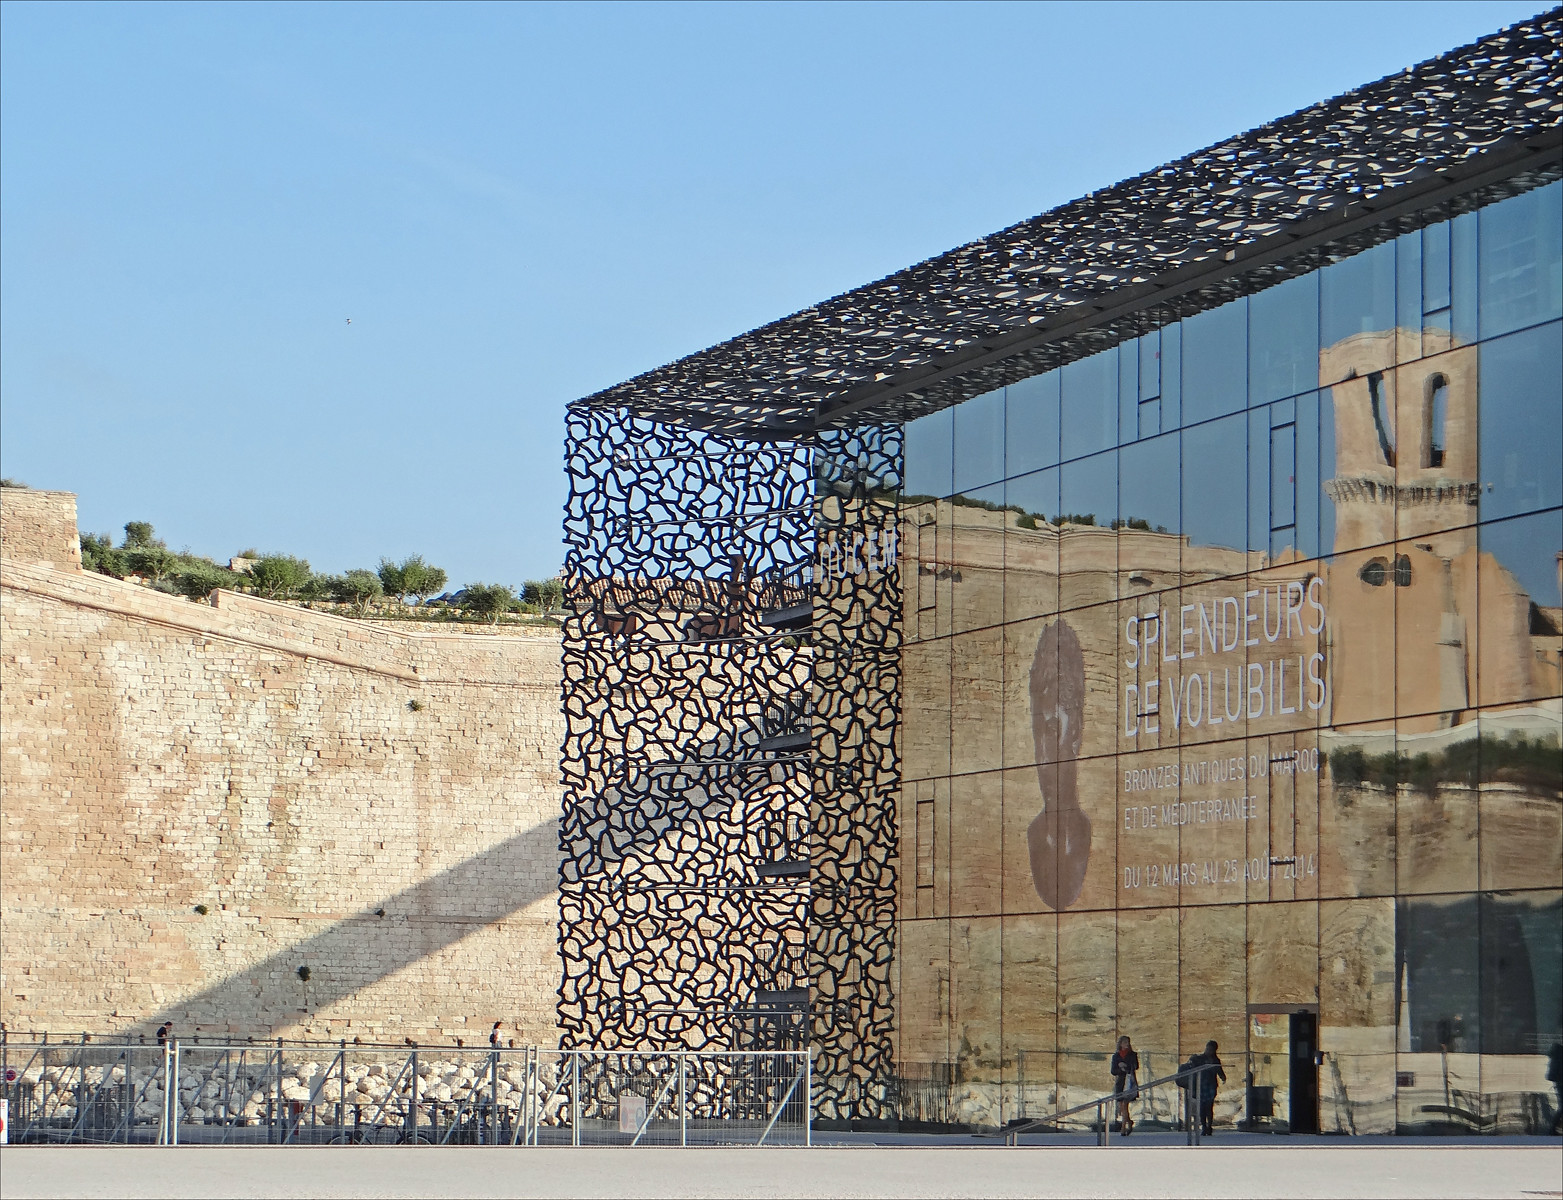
(150, 562)
(358, 588)
(411, 577)
(200, 579)
(546, 594)
(279, 576)
(98, 554)
(139, 534)
(488, 600)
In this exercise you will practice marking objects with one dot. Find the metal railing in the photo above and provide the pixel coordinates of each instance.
(278, 1093)
(1187, 1080)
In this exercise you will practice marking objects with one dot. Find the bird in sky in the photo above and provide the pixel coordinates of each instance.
(350, 320)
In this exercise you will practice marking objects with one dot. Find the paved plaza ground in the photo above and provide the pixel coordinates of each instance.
(1260, 1168)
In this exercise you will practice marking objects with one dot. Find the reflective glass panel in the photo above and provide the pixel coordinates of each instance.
(976, 701)
(1027, 792)
(1408, 301)
(1435, 628)
(1148, 830)
(923, 957)
(1215, 513)
(1522, 945)
(1087, 1005)
(1463, 255)
(1357, 296)
(1283, 323)
(1031, 545)
(930, 455)
(1150, 366)
(1518, 769)
(925, 719)
(976, 849)
(979, 440)
(1214, 983)
(1521, 422)
(1091, 683)
(1272, 476)
(1030, 1012)
(1215, 362)
(1434, 264)
(1521, 610)
(1171, 351)
(1309, 489)
(1148, 494)
(976, 979)
(1327, 472)
(1358, 1008)
(1129, 393)
(1087, 547)
(1090, 404)
(1283, 477)
(1436, 813)
(1435, 469)
(1147, 958)
(1521, 260)
(979, 519)
(1031, 424)
(1359, 588)
(1438, 956)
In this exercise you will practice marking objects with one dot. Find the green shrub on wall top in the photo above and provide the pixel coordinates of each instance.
(411, 577)
(488, 600)
(279, 576)
(358, 588)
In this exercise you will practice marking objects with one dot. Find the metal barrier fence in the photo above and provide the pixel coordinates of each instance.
(276, 1093)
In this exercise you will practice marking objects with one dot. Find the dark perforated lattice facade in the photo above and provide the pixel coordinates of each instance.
(730, 686)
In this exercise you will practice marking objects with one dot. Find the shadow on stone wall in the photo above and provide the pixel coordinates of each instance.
(363, 949)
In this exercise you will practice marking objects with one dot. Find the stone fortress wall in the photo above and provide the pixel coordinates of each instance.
(380, 807)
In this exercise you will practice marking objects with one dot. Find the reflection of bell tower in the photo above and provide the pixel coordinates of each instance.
(1405, 495)
(1405, 439)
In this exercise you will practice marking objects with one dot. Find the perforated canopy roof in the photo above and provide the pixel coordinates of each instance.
(1479, 121)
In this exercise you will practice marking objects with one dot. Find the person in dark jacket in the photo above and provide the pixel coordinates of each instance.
(1125, 1068)
(1209, 1081)
(1555, 1077)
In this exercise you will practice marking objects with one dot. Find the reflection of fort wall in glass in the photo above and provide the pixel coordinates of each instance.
(1361, 716)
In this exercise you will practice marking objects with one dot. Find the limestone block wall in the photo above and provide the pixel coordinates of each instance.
(377, 806)
(39, 527)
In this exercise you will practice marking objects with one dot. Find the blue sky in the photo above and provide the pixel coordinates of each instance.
(517, 205)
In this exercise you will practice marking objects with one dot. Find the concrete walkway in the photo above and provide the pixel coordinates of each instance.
(1512, 1168)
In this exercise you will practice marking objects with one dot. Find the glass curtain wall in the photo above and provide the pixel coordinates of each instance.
(1232, 692)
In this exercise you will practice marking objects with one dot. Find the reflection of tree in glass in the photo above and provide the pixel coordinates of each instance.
(1521, 761)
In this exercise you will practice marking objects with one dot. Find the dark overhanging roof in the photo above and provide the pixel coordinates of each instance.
(1481, 121)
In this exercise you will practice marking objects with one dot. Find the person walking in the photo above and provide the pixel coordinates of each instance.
(493, 1036)
(1125, 1069)
(1555, 1078)
(164, 1032)
(1210, 1079)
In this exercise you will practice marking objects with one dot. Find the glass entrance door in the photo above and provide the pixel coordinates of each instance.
(1304, 1072)
(1282, 1073)
(1267, 1074)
